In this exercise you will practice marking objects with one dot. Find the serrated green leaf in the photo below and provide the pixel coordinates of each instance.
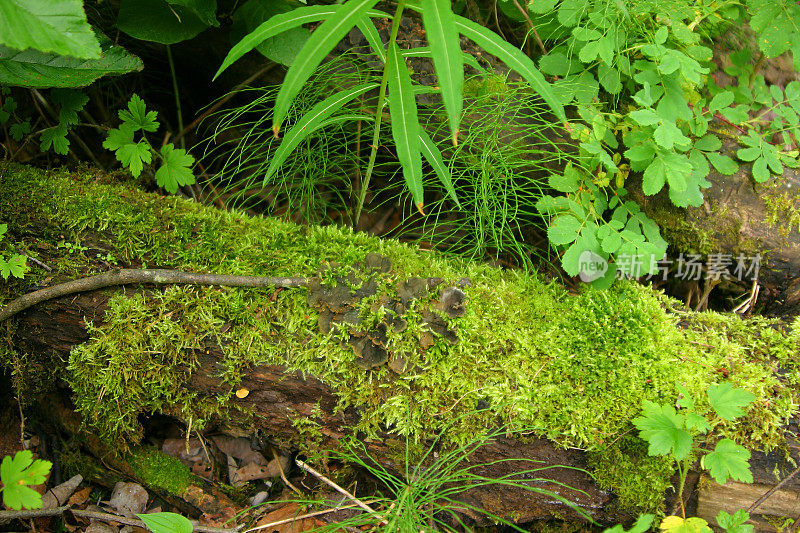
(309, 123)
(654, 177)
(728, 401)
(19, 130)
(661, 35)
(137, 115)
(760, 170)
(35, 69)
(119, 137)
(667, 135)
(71, 102)
(134, 156)
(48, 26)
(16, 266)
(570, 12)
(55, 138)
(609, 78)
(748, 154)
(566, 183)
(728, 461)
(708, 143)
(405, 124)
(437, 17)
(662, 428)
(611, 242)
(18, 472)
(695, 421)
(563, 230)
(175, 169)
(434, 158)
(514, 58)
(645, 117)
(166, 522)
(541, 6)
(735, 523)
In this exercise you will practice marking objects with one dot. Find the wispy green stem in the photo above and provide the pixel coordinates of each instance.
(177, 95)
(376, 133)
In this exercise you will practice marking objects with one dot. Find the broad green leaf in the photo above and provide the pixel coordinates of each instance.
(609, 78)
(165, 22)
(405, 124)
(728, 401)
(723, 163)
(57, 27)
(541, 6)
(137, 115)
(205, 10)
(563, 230)
(18, 472)
(695, 421)
(513, 58)
(437, 16)
(119, 137)
(321, 42)
(35, 69)
(281, 48)
(667, 135)
(654, 177)
(309, 122)
(728, 461)
(720, 101)
(19, 129)
(434, 158)
(570, 12)
(166, 522)
(735, 523)
(662, 427)
(175, 169)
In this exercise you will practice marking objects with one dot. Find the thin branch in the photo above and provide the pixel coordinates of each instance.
(127, 276)
(304, 516)
(769, 493)
(531, 26)
(330, 483)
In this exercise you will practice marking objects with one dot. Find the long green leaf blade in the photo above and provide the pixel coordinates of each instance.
(279, 24)
(434, 158)
(405, 124)
(448, 61)
(311, 121)
(512, 57)
(369, 31)
(321, 42)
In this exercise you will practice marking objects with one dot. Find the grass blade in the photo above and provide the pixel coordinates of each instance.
(369, 31)
(447, 58)
(434, 158)
(311, 121)
(279, 24)
(321, 42)
(405, 124)
(513, 57)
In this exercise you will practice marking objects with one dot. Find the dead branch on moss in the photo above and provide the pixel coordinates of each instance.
(126, 276)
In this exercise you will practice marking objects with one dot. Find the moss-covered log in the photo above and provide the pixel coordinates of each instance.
(387, 344)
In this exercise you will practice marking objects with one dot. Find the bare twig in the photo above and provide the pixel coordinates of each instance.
(330, 483)
(771, 491)
(283, 474)
(34, 260)
(531, 26)
(127, 276)
(304, 516)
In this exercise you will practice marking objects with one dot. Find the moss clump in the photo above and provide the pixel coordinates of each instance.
(574, 369)
(156, 469)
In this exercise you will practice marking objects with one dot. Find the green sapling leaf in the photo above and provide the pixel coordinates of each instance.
(134, 156)
(662, 427)
(727, 401)
(137, 116)
(16, 266)
(18, 472)
(728, 461)
(19, 129)
(55, 137)
(176, 168)
(642, 524)
(735, 523)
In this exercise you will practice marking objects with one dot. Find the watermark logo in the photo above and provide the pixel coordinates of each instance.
(591, 266)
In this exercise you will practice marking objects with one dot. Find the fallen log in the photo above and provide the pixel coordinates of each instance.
(396, 347)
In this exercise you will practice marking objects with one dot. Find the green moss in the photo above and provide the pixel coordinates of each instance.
(574, 369)
(156, 469)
